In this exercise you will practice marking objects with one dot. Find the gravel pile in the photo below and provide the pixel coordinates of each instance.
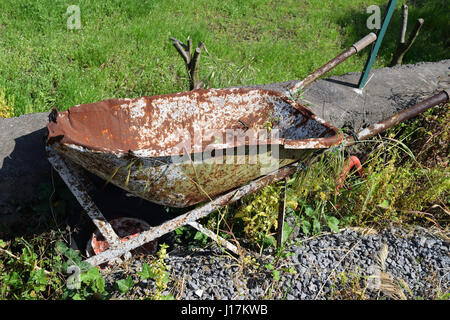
(391, 264)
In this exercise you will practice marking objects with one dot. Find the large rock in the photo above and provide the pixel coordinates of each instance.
(22, 159)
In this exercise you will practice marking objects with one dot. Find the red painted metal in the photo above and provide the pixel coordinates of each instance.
(126, 228)
(353, 161)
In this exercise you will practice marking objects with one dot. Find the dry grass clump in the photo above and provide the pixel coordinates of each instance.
(6, 105)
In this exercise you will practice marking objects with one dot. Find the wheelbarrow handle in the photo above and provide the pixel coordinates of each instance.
(356, 47)
(364, 42)
(381, 126)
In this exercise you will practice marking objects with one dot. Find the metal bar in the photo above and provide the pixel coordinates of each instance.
(192, 215)
(370, 61)
(281, 214)
(356, 47)
(215, 237)
(73, 177)
(404, 115)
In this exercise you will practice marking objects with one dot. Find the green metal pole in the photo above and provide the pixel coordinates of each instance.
(380, 36)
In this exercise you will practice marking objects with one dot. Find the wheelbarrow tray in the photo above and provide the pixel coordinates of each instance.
(184, 148)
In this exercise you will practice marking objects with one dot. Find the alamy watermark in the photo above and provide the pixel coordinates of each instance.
(231, 146)
(74, 19)
(374, 20)
(73, 281)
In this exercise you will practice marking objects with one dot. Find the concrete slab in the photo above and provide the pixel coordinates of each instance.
(389, 90)
(338, 101)
(23, 164)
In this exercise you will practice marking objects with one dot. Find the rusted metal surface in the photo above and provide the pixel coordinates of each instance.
(155, 126)
(123, 243)
(403, 115)
(192, 216)
(185, 148)
(356, 47)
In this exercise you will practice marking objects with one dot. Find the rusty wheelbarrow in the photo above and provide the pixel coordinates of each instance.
(181, 149)
(203, 146)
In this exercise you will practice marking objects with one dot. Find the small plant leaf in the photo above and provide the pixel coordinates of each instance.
(146, 272)
(90, 276)
(287, 231)
(199, 236)
(306, 227)
(269, 266)
(276, 275)
(384, 204)
(39, 278)
(100, 283)
(77, 296)
(269, 241)
(309, 212)
(333, 223)
(316, 226)
(124, 285)
(14, 280)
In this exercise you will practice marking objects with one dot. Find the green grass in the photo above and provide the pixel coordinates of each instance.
(123, 47)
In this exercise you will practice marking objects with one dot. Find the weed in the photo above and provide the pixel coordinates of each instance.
(41, 272)
(158, 272)
(259, 216)
(309, 198)
(275, 272)
(190, 237)
(22, 276)
(395, 189)
(348, 286)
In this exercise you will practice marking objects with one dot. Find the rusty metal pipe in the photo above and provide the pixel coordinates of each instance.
(404, 115)
(356, 47)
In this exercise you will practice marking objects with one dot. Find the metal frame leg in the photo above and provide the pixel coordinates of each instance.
(73, 177)
(281, 214)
